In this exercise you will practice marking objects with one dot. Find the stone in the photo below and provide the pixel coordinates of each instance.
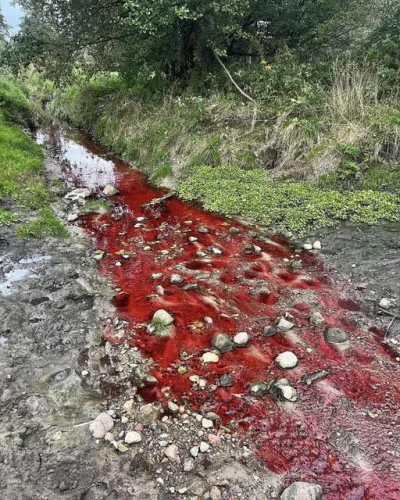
(160, 290)
(385, 303)
(148, 414)
(296, 265)
(253, 249)
(72, 217)
(222, 342)
(208, 320)
(335, 336)
(194, 451)
(286, 360)
(106, 420)
(175, 279)
(213, 439)
(284, 391)
(269, 331)
(204, 447)
(284, 325)
(258, 388)
(110, 190)
(163, 317)
(157, 276)
(241, 339)
(317, 319)
(172, 407)
(192, 239)
(206, 423)
(133, 437)
(188, 465)
(202, 230)
(302, 491)
(210, 357)
(225, 381)
(97, 429)
(172, 453)
(201, 254)
(78, 194)
(190, 286)
(215, 493)
(129, 406)
(317, 245)
(307, 246)
(234, 230)
(98, 254)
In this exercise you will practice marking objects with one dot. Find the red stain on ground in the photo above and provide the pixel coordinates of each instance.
(343, 432)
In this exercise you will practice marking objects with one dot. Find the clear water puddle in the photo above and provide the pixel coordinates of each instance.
(344, 431)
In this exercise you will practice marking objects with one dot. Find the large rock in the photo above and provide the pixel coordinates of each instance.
(78, 194)
(335, 336)
(302, 491)
(222, 342)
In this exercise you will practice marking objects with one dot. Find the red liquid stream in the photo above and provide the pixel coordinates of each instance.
(343, 433)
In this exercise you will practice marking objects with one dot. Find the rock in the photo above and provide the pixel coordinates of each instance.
(156, 276)
(72, 217)
(215, 250)
(225, 381)
(212, 416)
(204, 447)
(269, 331)
(208, 320)
(307, 246)
(160, 290)
(110, 190)
(302, 491)
(213, 439)
(97, 429)
(163, 317)
(210, 357)
(296, 265)
(129, 406)
(201, 254)
(133, 437)
(222, 342)
(215, 493)
(148, 414)
(206, 423)
(335, 336)
(385, 303)
(286, 360)
(78, 194)
(188, 465)
(234, 230)
(172, 453)
(190, 286)
(106, 420)
(172, 407)
(317, 319)
(284, 325)
(253, 249)
(310, 378)
(258, 388)
(194, 451)
(98, 254)
(202, 230)
(192, 239)
(284, 391)
(175, 279)
(241, 339)
(317, 245)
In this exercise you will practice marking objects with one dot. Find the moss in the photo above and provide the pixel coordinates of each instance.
(286, 205)
(46, 225)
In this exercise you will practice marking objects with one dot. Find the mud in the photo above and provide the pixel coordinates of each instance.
(343, 431)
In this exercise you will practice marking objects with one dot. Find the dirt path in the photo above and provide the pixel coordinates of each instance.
(174, 416)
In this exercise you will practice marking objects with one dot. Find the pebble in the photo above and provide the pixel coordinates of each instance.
(234, 230)
(97, 429)
(283, 390)
(192, 239)
(215, 250)
(110, 190)
(72, 217)
(106, 420)
(188, 465)
(172, 407)
(79, 193)
(213, 439)
(269, 331)
(201, 254)
(172, 453)
(222, 342)
(284, 325)
(286, 360)
(160, 290)
(163, 316)
(302, 491)
(98, 254)
(317, 319)
(203, 230)
(385, 303)
(317, 245)
(208, 320)
(210, 357)
(194, 451)
(204, 447)
(207, 423)
(307, 246)
(132, 437)
(335, 336)
(215, 493)
(225, 381)
(157, 276)
(148, 414)
(176, 279)
(241, 339)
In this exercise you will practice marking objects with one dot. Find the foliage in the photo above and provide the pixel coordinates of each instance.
(46, 225)
(14, 104)
(296, 206)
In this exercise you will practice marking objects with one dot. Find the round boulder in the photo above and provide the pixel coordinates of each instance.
(286, 360)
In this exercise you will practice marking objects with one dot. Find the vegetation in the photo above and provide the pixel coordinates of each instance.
(284, 111)
(46, 224)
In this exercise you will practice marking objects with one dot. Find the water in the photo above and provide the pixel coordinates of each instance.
(344, 431)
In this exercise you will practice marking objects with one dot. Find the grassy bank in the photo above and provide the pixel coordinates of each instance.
(311, 152)
(23, 188)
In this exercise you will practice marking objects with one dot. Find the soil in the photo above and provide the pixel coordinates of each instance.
(73, 344)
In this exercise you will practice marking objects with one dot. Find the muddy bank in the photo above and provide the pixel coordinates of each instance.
(177, 415)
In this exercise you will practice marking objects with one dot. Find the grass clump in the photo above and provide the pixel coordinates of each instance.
(7, 218)
(95, 207)
(285, 205)
(46, 225)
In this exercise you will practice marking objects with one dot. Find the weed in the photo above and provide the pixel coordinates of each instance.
(46, 225)
(7, 218)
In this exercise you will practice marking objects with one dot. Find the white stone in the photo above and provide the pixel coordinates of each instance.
(192, 239)
(194, 451)
(207, 424)
(210, 357)
(307, 246)
(72, 217)
(286, 360)
(385, 303)
(133, 437)
(97, 429)
(157, 276)
(302, 491)
(110, 190)
(172, 453)
(106, 420)
(163, 316)
(208, 320)
(172, 407)
(317, 319)
(317, 245)
(284, 325)
(241, 339)
(175, 279)
(204, 447)
(78, 194)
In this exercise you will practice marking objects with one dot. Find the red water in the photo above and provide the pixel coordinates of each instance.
(343, 433)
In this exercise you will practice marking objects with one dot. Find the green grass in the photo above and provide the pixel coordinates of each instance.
(46, 225)
(7, 218)
(285, 205)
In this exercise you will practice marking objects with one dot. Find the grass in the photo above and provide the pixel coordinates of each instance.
(46, 224)
(7, 218)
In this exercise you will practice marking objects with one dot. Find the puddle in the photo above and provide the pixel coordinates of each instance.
(245, 292)
(13, 277)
